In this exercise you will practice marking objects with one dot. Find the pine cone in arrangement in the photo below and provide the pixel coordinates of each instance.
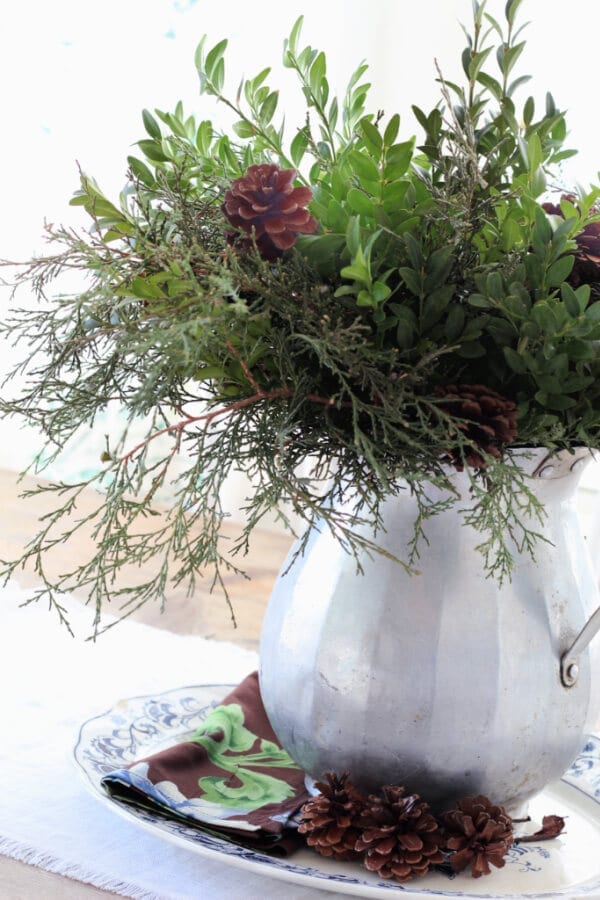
(479, 833)
(265, 202)
(487, 419)
(328, 819)
(399, 836)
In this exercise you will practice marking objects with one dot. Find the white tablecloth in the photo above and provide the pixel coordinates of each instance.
(50, 684)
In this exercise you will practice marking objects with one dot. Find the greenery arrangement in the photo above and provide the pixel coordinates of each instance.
(389, 310)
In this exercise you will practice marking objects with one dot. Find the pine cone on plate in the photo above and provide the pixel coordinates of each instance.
(487, 420)
(328, 819)
(399, 836)
(264, 202)
(479, 833)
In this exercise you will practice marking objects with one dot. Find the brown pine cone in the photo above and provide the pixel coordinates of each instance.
(487, 420)
(265, 202)
(399, 836)
(479, 833)
(328, 820)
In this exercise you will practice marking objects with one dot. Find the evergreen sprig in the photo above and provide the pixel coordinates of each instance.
(429, 267)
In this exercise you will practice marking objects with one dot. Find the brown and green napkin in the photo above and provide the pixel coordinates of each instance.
(230, 777)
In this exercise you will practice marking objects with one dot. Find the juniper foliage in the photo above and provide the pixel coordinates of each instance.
(431, 265)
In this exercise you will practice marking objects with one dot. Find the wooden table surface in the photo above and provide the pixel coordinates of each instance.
(203, 614)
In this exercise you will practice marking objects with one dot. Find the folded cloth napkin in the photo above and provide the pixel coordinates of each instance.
(221, 778)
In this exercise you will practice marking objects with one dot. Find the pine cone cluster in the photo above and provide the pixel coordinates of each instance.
(480, 833)
(399, 835)
(487, 420)
(329, 819)
(396, 835)
(264, 203)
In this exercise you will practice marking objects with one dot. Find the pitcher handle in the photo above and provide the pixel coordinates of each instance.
(569, 661)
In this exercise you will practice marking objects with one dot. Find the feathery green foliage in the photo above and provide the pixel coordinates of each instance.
(432, 265)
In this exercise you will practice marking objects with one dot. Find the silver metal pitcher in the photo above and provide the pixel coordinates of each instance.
(442, 681)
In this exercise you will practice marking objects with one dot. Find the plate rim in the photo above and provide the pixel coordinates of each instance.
(275, 867)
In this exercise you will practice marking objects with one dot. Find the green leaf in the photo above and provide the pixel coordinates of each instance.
(322, 250)
(371, 135)
(510, 11)
(353, 235)
(514, 360)
(291, 43)
(404, 335)
(494, 286)
(207, 373)
(361, 203)
(493, 86)
(592, 313)
(560, 270)
(337, 217)
(511, 234)
(465, 59)
(141, 171)
(543, 315)
(528, 110)
(199, 62)
(414, 251)
(478, 301)
(534, 152)
(317, 74)
(244, 129)
(412, 280)
(345, 290)
(574, 383)
(204, 136)
(298, 146)
(151, 125)
(583, 294)
(365, 298)
(435, 304)
(398, 160)
(364, 166)
(543, 229)
(508, 58)
(356, 273)
(214, 57)
(380, 291)
(267, 110)
(141, 287)
(393, 196)
(538, 182)
(420, 117)
(437, 267)
(391, 131)
(580, 351)
(153, 151)
(517, 83)
(476, 62)
(332, 115)
(219, 75)
(471, 350)
(454, 323)
(407, 225)
(554, 401)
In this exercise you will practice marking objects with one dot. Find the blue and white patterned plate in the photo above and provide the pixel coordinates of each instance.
(568, 866)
